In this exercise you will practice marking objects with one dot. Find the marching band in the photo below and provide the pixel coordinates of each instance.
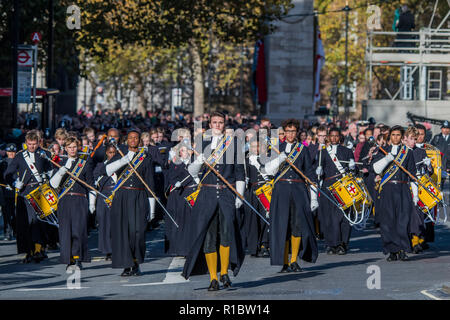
(268, 196)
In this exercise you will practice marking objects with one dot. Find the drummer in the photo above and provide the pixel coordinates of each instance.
(73, 204)
(25, 173)
(337, 161)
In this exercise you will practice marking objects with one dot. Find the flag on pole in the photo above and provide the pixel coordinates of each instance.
(259, 85)
(320, 61)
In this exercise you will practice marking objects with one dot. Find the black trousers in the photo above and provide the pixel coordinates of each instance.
(8, 215)
(219, 230)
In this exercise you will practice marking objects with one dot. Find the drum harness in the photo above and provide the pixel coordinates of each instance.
(359, 222)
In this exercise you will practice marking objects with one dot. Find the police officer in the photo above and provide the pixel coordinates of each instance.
(442, 142)
(8, 206)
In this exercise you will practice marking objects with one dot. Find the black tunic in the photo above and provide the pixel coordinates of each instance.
(336, 228)
(29, 229)
(417, 223)
(105, 185)
(255, 230)
(73, 210)
(128, 215)
(177, 240)
(395, 206)
(285, 197)
(209, 201)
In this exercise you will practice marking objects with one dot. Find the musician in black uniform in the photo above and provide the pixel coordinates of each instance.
(105, 184)
(424, 231)
(130, 209)
(8, 206)
(395, 201)
(214, 211)
(317, 151)
(291, 209)
(256, 231)
(73, 205)
(25, 173)
(180, 184)
(337, 161)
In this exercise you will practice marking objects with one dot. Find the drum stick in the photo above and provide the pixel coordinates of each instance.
(75, 177)
(232, 188)
(98, 145)
(145, 184)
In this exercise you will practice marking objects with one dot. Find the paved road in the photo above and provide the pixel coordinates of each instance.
(331, 277)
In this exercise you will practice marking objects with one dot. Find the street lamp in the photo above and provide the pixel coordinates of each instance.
(347, 10)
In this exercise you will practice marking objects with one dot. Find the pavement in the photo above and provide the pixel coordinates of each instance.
(362, 274)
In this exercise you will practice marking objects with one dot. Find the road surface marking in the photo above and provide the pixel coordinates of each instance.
(429, 295)
(46, 289)
(172, 276)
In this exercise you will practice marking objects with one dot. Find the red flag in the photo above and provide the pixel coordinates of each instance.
(260, 80)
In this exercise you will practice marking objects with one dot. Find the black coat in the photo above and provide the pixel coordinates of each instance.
(208, 201)
(73, 213)
(129, 211)
(443, 146)
(282, 195)
(335, 226)
(395, 206)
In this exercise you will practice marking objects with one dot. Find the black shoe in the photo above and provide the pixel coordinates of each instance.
(294, 267)
(135, 271)
(417, 249)
(259, 254)
(38, 257)
(285, 269)
(341, 250)
(266, 253)
(126, 272)
(108, 257)
(225, 279)
(214, 286)
(424, 246)
(28, 258)
(402, 255)
(331, 250)
(392, 257)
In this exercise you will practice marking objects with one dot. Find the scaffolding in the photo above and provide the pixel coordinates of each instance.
(413, 52)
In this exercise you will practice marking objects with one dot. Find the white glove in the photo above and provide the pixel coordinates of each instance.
(240, 187)
(116, 165)
(271, 167)
(197, 180)
(319, 171)
(56, 179)
(69, 163)
(152, 203)
(130, 155)
(379, 166)
(390, 157)
(92, 198)
(415, 192)
(427, 162)
(314, 203)
(18, 184)
(8, 188)
(177, 184)
(253, 160)
(351, 164)
(195, 166)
